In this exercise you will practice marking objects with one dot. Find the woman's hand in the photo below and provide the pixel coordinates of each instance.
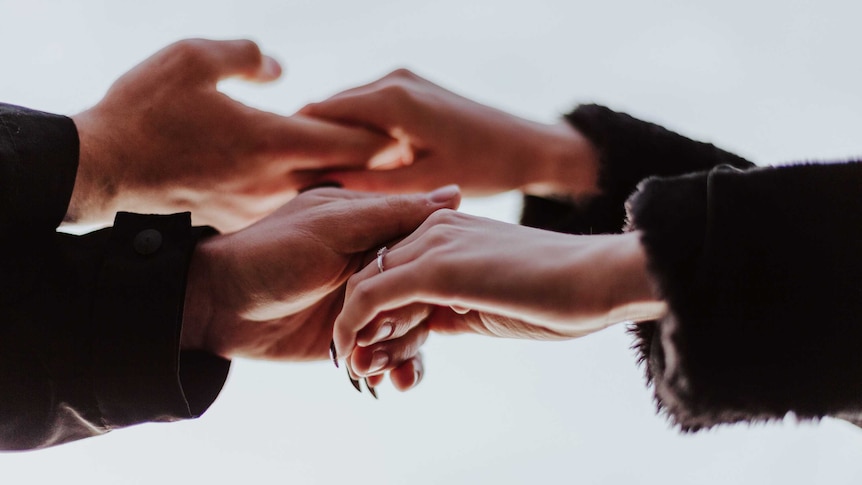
(451, 139)
(459, 273)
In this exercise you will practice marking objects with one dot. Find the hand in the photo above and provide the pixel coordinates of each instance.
(460, 273)
(164, 139)
(272, 291)
(451, 139)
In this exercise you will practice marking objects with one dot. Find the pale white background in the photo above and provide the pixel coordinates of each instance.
(774, 80)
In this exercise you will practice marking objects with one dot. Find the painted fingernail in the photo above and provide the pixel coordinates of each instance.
(417, 373)
(378, 361)
(321, 185)
(370, 388)
(444, 194)
(383, 333)
(353, 381)
(332, 353)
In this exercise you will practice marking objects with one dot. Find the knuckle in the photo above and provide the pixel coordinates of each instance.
(402, 73)
(188, 48)
(397, 92)
(190, 55)
(397, 203)
(442, 216)
(352, 283)
(437, 237)
(249, 49)
(363, 294)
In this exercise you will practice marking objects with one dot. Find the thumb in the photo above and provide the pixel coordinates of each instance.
(381, 219)
(221, 59)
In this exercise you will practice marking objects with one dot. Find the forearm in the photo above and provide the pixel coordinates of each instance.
(93, 201)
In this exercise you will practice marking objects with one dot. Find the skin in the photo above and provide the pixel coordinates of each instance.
(459, 273)
(447, 138)
(272, 291)
(165, 140)
(464, 274)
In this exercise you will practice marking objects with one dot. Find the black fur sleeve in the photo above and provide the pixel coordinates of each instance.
(630, 151)
(763, 274)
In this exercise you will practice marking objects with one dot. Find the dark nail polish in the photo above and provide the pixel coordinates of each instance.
(370, 389)
(332, 353)
(353, 381)
(321, 185)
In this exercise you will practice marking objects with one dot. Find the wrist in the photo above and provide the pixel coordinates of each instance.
(198, 305)
(635, 294)
(95, 192)
(567, 163)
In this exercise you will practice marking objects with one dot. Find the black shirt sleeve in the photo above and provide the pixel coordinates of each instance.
(89, 325)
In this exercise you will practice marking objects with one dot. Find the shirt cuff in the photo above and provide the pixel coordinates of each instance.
(140, 373)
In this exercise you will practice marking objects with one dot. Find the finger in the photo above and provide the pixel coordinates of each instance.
(407, 375)
(306, 143)
(393, 289)
(382, 109)
(376, 220)
(387, 355)
(366, 325)
(375, 380)
(222, 59)
(393, 325)
(405, 179)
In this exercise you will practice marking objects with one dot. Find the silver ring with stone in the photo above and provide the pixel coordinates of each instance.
(380, 254)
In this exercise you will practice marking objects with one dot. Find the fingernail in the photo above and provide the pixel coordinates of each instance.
(353, 381)
(332, 353)
(320, 185)
(378, 361)
(444, 194)
(270, 67)
(370, 389)
(417, 372)
(383, 333)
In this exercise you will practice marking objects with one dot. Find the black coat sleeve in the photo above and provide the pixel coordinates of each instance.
(89, 325)
(630, 150)
(760, 267)
(763, 276)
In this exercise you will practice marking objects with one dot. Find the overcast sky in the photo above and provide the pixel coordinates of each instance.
(774, 81)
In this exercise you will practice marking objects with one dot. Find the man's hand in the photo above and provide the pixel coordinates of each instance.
(164, 139)
(451, 139)
(273, 290)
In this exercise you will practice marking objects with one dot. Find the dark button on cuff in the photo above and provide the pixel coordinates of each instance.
(148, 241)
